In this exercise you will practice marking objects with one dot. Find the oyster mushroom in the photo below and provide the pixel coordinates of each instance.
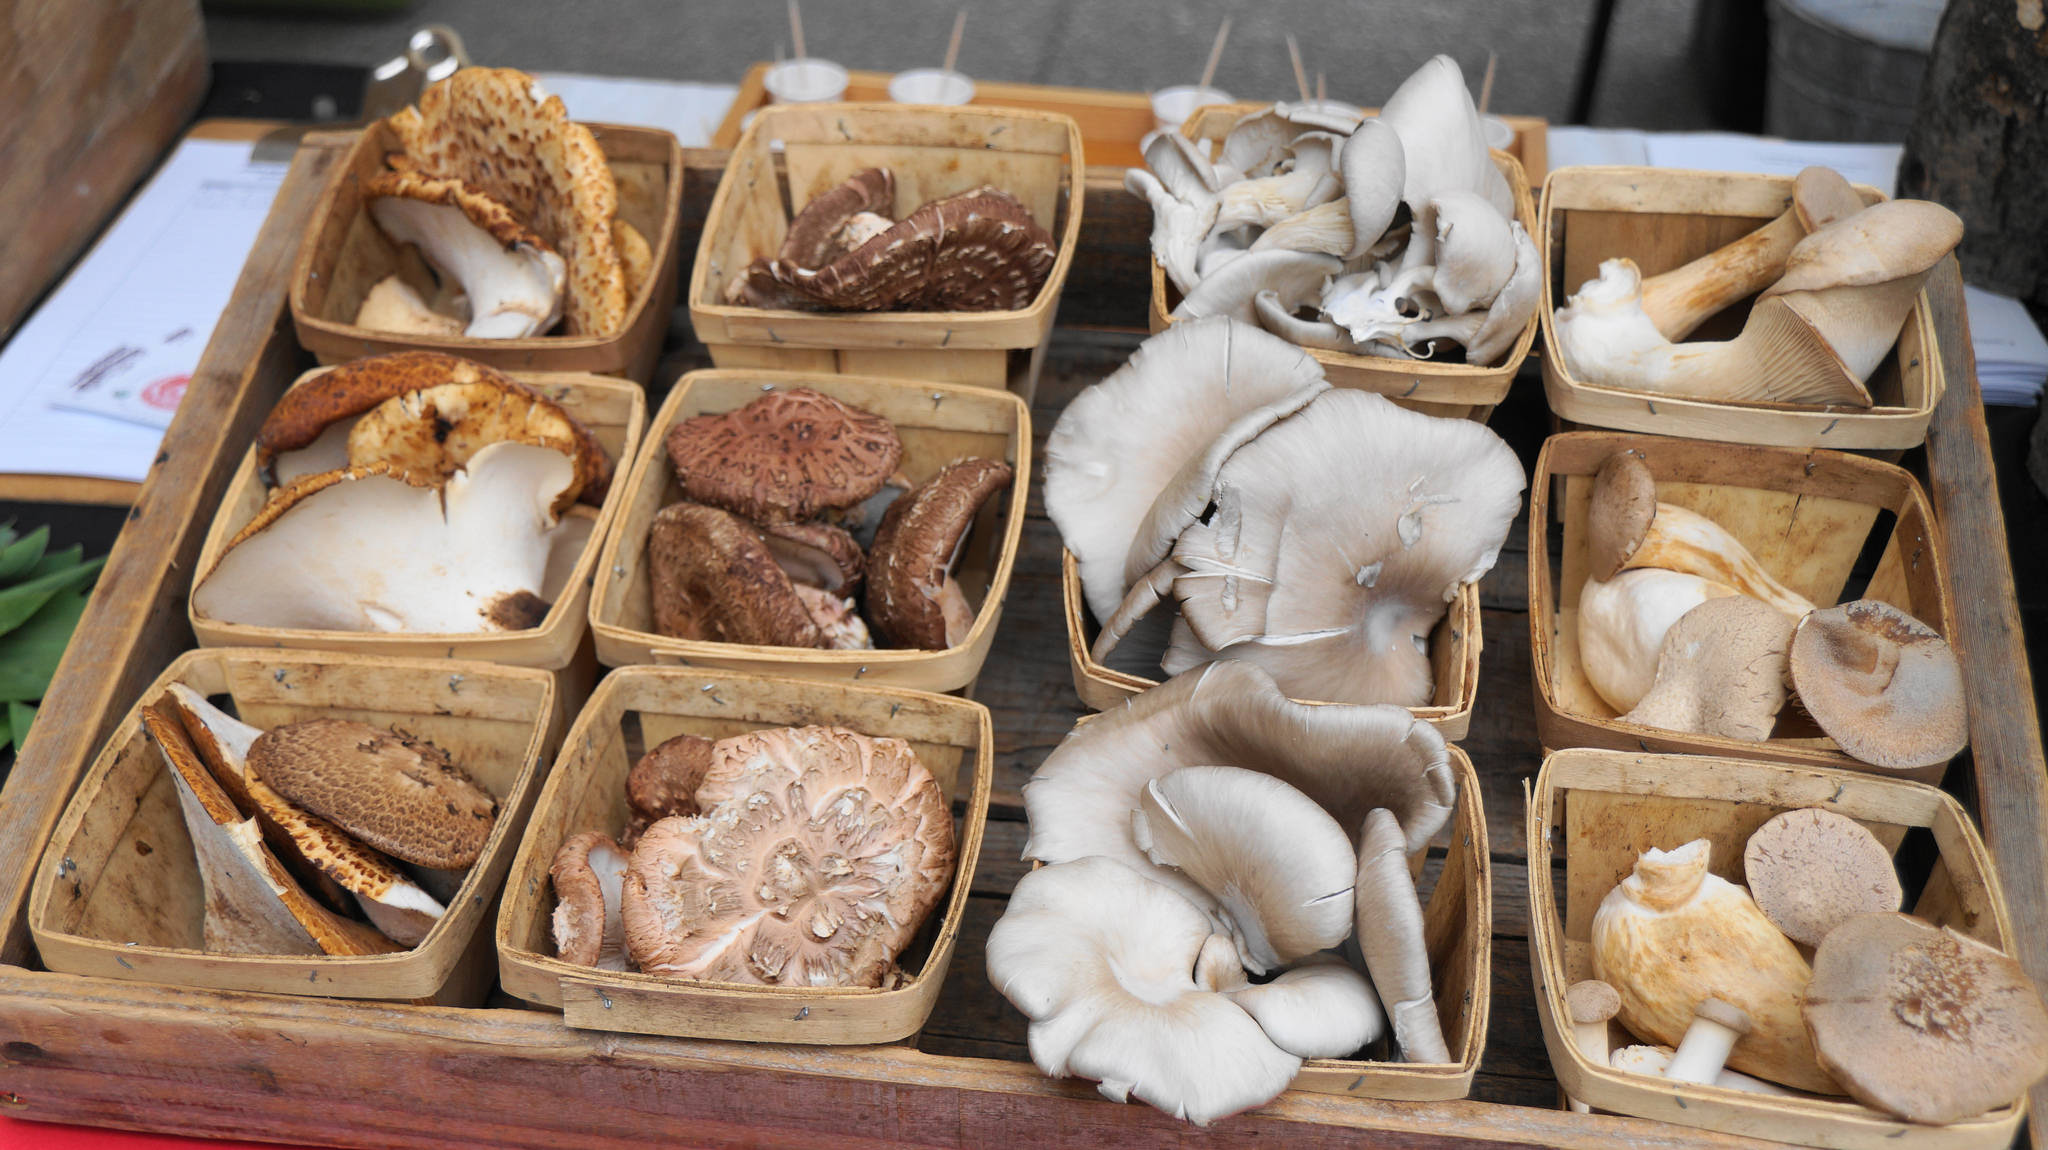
(1295, 276)
(1103, 962)
(1338, 537)
(1924, 1022)
(366, 550)
(588, 873)
(1627, 527)
(1178, 227)
(1885, 686)
(496, 130)
(1225, 827)
(1721, 671)
(1390, 934)
(512, 278)
(1375, 168)
(911, 594)
(1347, 758)
(820, 853)
(1810, 870)
(785, 457)
(1671, 935)
(399, 794)
(1319, 1008)
(1165, 421)
(1622, 624)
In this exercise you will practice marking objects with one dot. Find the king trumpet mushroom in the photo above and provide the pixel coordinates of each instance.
(1813, 337)
(1622, 624)
(1671, 935)
(1628, 527)
(1721, 671)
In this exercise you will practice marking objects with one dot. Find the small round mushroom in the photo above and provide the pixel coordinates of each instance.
(785, 457)
(1721, 671)
(1279, 865)
(914, 547)
(664, 781)
(1923, 1022)
(1627, 527)
(1885, 686)
(715, 580)
(588, 872)
(1810, 870)
(399, 794)
(1591, 1003)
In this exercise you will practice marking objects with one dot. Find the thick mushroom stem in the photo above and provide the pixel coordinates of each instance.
(1627, 527)
(1390, 929)
(1592, 1002)
(1716, 1027)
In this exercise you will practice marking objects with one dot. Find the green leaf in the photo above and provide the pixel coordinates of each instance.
(21, 601)
(19, 716)
(63, 560)
(24, 553)
(8, 534)
(29, 653)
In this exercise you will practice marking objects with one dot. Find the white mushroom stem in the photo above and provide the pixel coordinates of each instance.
(1652, 1060)
(1716, 1027)
(513, 292)
(1591, 1003)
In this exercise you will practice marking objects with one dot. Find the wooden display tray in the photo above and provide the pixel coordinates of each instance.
(259, 1066)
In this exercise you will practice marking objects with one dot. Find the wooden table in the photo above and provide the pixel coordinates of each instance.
(372, 1074)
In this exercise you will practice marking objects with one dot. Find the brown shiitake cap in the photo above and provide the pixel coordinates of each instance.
(664, 782)
(809, 242)
(1810, 870)
(1885, 686)
(396, 793)
(1923, 1022)
(820, 555)
(715, 580)
(586, 922)
(785, 457)
(979, 250)
(914, 546)
(1592, 1000)
(1624, 504)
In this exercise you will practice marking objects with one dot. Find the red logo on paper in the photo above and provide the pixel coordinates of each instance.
(165, 393)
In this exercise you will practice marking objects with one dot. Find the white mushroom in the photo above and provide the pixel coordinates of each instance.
(513, 278)
(1622, 624)
(1389, 920)
(1716, 1027)
(1295, 276)
(1375, 168)
(1651, 1060)
(1321, 1008)
(1177, 226)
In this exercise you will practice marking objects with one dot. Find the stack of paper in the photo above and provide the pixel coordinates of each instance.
(2012, 358)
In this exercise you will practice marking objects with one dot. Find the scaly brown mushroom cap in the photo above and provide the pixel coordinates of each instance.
(785, 457)
(483, 210)
(1925, 1023)
(715, 580)
(496, 129)
(979, 250)
(810, 242)
(434, 431)
(1885, 686)
(399, 794)
(665, 780)
(915, 545)
(821, 854)
(1810, 870)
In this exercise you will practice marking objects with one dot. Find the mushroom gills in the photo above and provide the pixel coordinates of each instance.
(514, 293)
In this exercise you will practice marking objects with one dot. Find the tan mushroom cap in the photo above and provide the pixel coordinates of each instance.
(820, 854)
(1721, 671)
(1624, 505)
(399, 794)
(435, 431)
(1627, 527)
(914, 546)
(588, 875)
(495, 129)
(715, 580)
(1885, 686)
(809, 243)
(1592, 1000)
(1924, 1022)
(785, 457)
(664, 781)
(1810, 870)
(979, 250)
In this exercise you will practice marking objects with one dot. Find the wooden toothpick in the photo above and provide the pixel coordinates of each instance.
(953, 46)
(1486, 85)
(1300, 77)
(796, 29)
(1215, 53)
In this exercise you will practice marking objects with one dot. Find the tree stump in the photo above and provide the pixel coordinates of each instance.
(1979, 142)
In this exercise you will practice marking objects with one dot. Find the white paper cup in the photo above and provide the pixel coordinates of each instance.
(1499, 133)
(805, 80)
(931, 86)
(1172, 106)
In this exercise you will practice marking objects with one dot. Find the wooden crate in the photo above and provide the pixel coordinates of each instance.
(938, 423)
(344, 254)
(1454, 649)
(1595, 811)
(614, 411)
(1035, 156)
(1663, 219)
(118, 893)
(1807, 516)
(1450, 390)
(636, 708)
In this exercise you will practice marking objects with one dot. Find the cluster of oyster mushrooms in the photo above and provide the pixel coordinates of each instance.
(1922, 1022)
(1318, 533)
(1225, 893)
(413, 492)
(1837, 281)
(512, 206)
(1395, 236)
(977, 250)
(803, 856)
(1680, 628)
(792, 510)
(299, 829)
